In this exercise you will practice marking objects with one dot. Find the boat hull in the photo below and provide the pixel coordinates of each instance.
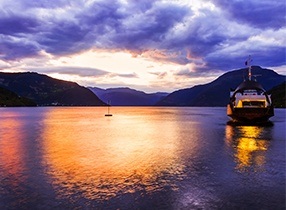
(253, 114)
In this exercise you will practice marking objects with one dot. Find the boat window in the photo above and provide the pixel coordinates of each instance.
(250, 92)
(253, 103)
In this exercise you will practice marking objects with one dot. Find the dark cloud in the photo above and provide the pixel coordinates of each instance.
(132, 75)
(110, 25)
(47, 4)
(17, 48)
(16, 36)
(261, 14)
(270, 56)
(80, 71)
(101, 17)
(64, 37)
(203, 36)
(141, 5)
(262, 56)
(148, 29)
(197, 37)
(88, 27)
(11, 24)
(177, 33)
(191, 73)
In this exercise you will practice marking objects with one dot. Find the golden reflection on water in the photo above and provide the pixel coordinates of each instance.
(11, 150)
(101, 157)
(249, 146)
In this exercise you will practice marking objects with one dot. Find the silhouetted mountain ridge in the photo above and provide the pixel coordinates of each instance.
(124, 96)
(9, 98)
(278, 95)
(216, 93)
(44, 90)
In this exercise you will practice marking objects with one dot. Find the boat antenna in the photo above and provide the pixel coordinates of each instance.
(248, 63)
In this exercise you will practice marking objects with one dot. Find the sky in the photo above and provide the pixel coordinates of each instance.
(148, 45)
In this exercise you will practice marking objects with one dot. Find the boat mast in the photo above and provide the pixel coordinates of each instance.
(108, 110)
(248, 63)
(108, 107)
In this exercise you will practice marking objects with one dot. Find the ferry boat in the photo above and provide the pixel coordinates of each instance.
(249, 102)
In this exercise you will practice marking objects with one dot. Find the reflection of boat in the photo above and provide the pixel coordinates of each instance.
(250, 144)
(250, 102)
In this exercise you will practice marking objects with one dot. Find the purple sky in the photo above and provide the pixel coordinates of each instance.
(147, 45)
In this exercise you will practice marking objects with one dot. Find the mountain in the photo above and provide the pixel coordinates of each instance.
(127, 97)
(278, 95)
(46, 91)
(216, 93)
(9, 98)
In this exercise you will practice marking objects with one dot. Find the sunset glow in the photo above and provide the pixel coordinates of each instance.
(147, 45)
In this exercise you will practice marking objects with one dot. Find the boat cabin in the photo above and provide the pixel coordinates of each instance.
(250, 94)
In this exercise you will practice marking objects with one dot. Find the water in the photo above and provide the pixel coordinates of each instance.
(140, 158)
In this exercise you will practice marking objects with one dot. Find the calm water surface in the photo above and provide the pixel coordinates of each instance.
(140, 158)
